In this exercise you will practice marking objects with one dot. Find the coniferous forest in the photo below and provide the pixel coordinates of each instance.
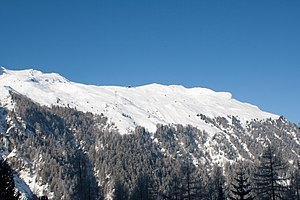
(77, 156)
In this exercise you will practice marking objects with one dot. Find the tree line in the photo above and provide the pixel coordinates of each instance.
(269, 180)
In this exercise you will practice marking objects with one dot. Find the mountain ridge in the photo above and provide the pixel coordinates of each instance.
(128, 107)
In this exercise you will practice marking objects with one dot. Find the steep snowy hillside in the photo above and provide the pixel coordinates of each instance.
(128, 107)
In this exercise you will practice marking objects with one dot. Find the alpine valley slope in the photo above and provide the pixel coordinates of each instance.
(128, 107)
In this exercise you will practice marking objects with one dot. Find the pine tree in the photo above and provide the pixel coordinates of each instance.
(218, 181)
(221, 194)
(270, 178)
(175, 192)
(189, 183)
(120, 191)
(145, 188)
(7, 184)
(241, 190)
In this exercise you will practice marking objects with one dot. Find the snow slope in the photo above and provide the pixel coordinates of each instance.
(128, 107)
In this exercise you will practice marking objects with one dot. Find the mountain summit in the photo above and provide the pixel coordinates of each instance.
(128, 107)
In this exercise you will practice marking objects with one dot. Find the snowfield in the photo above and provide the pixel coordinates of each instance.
(128, 107)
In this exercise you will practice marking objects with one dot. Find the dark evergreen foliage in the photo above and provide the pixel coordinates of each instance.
(43, 198)
(270, 178)
(145, 188)
(241, 189)
(218, 183)
(7, 184)
(120, 191)
(188, 181)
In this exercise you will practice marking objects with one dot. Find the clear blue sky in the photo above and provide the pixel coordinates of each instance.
(248, 47)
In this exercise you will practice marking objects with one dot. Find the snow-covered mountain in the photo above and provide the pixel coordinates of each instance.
(128, 107)
(62, 139)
